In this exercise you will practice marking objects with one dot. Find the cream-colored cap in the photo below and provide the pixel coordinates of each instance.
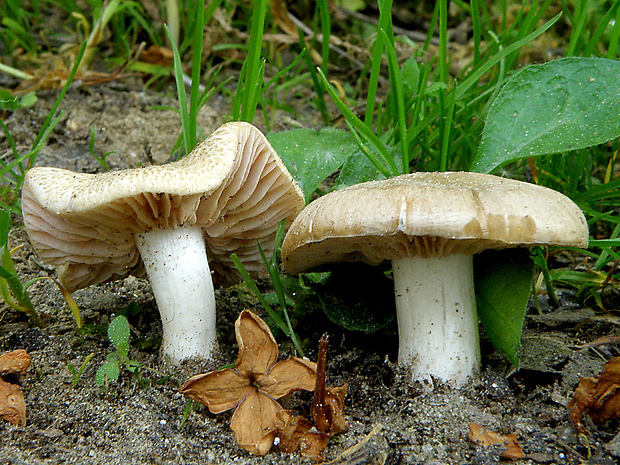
(425, 214)
(233, 185)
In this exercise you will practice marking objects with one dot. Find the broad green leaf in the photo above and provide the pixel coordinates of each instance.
(311, 156)
(562, 105)
(356, 169)
(503, 283)
(118, 332)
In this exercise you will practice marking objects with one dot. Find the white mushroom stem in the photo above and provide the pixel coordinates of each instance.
(177, 267)
(437, 320)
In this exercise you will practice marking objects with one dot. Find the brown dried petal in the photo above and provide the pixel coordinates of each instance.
(288, 376)
(17, 361)
(219, 390)
(258, 350)
(486, 438)
(254, 422)
(12, 404)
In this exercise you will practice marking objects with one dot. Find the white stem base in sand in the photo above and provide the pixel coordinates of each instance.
(437, 320)
(177, 267)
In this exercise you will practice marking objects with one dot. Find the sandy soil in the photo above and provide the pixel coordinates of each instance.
(390, 420)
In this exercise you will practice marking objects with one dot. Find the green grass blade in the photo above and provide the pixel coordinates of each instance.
(251, 84)
(194, 96)
(396, 86)
(359, 126)
(181, 95)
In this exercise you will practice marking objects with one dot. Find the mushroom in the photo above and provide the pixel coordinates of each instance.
(429, 225)
(226, 196)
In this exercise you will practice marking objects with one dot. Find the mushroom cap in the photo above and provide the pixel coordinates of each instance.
(429, 214)
(233, 185)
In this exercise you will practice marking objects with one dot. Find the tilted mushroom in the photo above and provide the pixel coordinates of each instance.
(224, 197)
(429, 225)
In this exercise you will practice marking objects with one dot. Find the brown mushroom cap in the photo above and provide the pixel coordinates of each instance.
(233, 185)
(426, 214)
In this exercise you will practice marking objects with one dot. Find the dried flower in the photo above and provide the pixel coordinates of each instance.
(253, 386)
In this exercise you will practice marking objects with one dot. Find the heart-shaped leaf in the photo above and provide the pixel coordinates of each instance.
(562, 105)
(311, 156)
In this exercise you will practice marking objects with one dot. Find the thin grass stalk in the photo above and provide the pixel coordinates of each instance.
(474, 77)
(280, 323)
(476, 30)
(396, 87)
(581, 14)
(385, 158)
(194, 96)
(385, 15)
(276, 280)
(447, 131)
(181, 95)
(589, 48)
(443, 41)
(605, 256)
(319, 88)
(326, 29)
(63, 91)
(614, 38)
(252, 86)
(431, 29)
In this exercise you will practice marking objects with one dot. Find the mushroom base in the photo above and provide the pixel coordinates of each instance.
(437, 320)
(177, 266)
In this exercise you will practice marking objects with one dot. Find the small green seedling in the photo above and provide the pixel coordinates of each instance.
(11, 102)
(77, 372)
(103, 159)
(118, 333)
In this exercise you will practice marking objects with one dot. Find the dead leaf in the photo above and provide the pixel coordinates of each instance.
(282, 18)
(485, 438)
(253, 385)
(16, 362)
(12, 403)
(598, 397)
(159, 56)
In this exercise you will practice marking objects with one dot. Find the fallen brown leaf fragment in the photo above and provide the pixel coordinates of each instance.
(16, 362)
(485, 438)
(598, 397)
(253, 386)
(159, 56)
(12, 403)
